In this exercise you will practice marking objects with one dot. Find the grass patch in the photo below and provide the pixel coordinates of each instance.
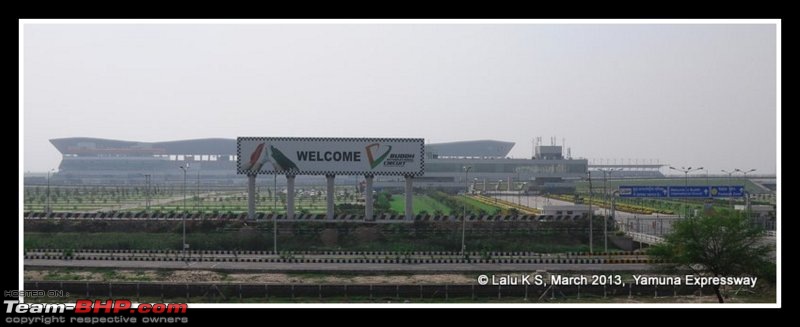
(483, 206)
(421, 203)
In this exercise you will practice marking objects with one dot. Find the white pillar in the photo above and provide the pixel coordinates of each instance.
(330, 196)
(409, 199)
(368, 215)
(251, 196)
(289, 196)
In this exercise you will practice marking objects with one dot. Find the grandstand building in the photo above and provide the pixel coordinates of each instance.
(213, 161)
(492, 169)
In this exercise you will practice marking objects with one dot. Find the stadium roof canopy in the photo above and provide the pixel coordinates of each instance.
(219, 146)
(87, 145)
(481, 148)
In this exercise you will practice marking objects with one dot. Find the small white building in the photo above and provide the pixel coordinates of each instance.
(568, 210)
(759, 210)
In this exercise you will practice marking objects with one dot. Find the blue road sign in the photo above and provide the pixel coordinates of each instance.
(727, 191)
(681, 191)
(643, 191)
(689, 191)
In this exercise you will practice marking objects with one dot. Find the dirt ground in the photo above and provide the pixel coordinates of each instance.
(190, 276)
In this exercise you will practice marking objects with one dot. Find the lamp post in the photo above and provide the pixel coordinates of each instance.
(275, 215)
(613, 202)
(591, 213)
(497, 196)
(686, 171)
(519, 194)
(147, 192)
(747, 200)
(464, 217)
(745, 172)
(47, 210)
(527, 198)
(605, 205)
(197, 192)
(184, 167)
(730, 183)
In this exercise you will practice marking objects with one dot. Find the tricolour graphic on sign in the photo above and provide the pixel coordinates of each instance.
(330, 156)
(376, 160)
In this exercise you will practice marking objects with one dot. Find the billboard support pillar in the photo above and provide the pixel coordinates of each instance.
(289, 196)
(330, 196)
(409, 198)
(368, 198)
(251, 196)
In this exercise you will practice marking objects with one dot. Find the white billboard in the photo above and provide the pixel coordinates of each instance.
(330, 156)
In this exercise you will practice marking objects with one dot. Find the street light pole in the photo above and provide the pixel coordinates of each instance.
(746, 172)
(499, 187)
(464, 217)
(605, 206)
(527, 196)
(47, 210)
(275, 215)
(525, 189)
(686, 171)
(746, 199)
(519, 194)
(147, 192)
(730, 184)
(197, 193)
(605, 209)
(613, 203)
(591, 213)
(185, 167)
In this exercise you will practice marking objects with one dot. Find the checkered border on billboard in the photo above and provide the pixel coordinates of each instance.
(417, 173)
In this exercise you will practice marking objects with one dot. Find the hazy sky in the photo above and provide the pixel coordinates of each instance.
(689, 95)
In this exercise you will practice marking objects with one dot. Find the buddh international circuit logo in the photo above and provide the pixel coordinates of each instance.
(371, 152)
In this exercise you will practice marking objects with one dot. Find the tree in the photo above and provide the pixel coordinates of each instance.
(719, 244)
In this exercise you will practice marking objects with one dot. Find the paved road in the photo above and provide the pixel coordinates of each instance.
(376, 267)
(531, 201)
(654, 224)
